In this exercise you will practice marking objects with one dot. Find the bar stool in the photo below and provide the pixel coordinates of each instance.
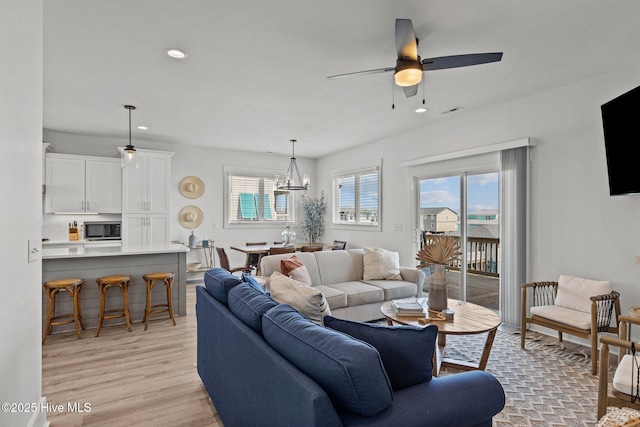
(151, 279)
(52, 287)
(104, 283)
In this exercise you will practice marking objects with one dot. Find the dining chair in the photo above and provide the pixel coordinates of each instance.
(311, 248)
(275, 250)
(339, 245)
(254, 259)
(224, 262)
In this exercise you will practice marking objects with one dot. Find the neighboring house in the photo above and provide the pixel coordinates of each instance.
(438, 220)
(483, 218)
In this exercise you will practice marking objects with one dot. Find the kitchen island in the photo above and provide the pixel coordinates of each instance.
(89, 263)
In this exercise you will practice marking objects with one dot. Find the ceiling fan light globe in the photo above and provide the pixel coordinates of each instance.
(408, 77)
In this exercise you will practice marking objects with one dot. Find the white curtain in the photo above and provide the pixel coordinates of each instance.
(513, 230)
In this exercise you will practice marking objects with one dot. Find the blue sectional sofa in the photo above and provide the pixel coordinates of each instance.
(264, 364)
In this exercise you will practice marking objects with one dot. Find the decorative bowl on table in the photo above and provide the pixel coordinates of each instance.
(193, 266)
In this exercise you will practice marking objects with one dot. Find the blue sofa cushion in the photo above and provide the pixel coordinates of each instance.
(406, 351)
(350, 371)
(252, 281)
(249, 304)
(219, 282)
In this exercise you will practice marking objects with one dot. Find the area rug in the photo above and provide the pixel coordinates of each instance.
(544, 384)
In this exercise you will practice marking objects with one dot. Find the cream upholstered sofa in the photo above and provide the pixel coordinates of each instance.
(339, 276)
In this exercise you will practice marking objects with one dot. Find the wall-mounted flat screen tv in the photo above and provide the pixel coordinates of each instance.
(621, 125)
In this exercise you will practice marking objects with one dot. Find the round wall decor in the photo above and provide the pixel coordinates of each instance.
(191, 187)
(190, 216)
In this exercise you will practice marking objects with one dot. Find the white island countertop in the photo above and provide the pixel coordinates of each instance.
(87, 252)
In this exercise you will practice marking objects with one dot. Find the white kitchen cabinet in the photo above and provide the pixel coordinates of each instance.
(146, 187)
(82, 184)
(145, 199)
(145, 230)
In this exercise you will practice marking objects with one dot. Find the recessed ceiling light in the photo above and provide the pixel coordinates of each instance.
(176, 53)
(143, 127)
(421, 110)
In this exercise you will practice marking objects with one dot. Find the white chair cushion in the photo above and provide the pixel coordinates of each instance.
(626, 372)
(574, 292)
(568, 316)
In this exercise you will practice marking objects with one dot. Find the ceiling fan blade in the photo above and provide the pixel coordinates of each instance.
(410, 91)
(456, 61)
(406, 44)
(360, 73)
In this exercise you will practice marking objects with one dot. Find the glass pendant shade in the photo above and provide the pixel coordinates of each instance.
(129, 158)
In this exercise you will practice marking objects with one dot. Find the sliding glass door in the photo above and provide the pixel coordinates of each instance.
(465, 206)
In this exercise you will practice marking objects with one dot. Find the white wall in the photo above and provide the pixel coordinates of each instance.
(205, 163)
(576, 227)
(21, 177)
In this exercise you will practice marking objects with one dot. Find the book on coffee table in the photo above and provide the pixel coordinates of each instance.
(408, 307)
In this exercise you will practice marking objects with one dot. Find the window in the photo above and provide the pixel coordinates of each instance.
(357, 197)
(252, 198)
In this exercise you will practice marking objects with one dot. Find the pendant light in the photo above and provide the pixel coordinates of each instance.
(128, 154)
(293, 175)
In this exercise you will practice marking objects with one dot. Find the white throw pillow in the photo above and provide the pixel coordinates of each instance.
(574, 292)
(381, 264)
(309, 301)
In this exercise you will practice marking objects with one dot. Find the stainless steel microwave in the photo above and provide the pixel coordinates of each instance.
(102, 230)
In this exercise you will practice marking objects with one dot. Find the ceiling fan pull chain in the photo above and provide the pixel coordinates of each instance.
(393, 96)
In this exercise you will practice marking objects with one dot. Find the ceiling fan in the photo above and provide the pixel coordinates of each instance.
(409, 66)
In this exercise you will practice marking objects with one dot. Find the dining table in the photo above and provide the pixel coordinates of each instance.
(263, 250)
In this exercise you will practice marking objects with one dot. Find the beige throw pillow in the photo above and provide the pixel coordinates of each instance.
(381, 264)
(309, 301)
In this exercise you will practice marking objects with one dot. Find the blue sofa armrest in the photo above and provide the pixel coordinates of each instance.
(463, 400)
(250, 383)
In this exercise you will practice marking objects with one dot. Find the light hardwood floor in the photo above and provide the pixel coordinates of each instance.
(138, 378)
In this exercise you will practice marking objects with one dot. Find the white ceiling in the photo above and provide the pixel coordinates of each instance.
(256, 75)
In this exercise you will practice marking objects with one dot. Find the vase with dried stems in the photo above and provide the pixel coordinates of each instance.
(439, 251)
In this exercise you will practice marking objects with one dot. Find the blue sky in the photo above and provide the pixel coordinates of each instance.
(482, 192)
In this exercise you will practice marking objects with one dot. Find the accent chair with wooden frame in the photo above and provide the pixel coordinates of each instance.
(625, 380)
(572, 305)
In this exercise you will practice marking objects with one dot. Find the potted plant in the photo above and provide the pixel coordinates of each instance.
(438, 251)
(314, 210)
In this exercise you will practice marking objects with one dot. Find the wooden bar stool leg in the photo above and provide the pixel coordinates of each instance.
(147, 308)
(169, 285)
(79, 310)
(48, 326)
(103, 296)
(125, 297)
(77, 316)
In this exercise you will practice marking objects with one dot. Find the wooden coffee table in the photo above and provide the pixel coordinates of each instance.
(469, 319)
